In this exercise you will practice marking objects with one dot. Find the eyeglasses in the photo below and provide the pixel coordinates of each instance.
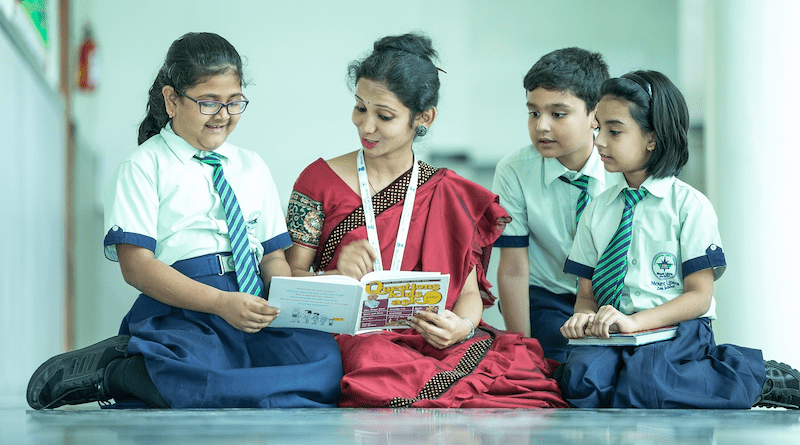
(212, 107)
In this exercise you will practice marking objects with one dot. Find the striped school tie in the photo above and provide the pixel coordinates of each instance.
(609, 275)
(583, 199)
(243, 260)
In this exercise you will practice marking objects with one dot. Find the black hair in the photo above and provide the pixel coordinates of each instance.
(404, 65)
(657, 106)
(570, 69)
(191, 59)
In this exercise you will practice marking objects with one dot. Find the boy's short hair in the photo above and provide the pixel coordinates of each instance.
(570, 69)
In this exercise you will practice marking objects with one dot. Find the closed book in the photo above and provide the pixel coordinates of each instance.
(629, 338)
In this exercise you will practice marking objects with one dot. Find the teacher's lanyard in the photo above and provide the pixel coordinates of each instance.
(369, 215)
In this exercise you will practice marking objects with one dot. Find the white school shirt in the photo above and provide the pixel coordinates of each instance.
(162, 199)
(542, 208)
(674, 234)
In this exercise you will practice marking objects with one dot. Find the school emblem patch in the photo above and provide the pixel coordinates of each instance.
(665, 266)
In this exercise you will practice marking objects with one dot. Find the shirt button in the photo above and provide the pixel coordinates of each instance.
(634, 261)
(637, 293)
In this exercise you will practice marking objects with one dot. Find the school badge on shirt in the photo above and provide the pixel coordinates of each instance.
(665, 266)
(251, 222)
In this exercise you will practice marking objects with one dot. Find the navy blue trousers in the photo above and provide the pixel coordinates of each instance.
(689, 371)
(549, 311)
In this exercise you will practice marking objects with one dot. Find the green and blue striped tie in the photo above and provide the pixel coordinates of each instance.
(243, 260)
(609, 275)
(583, 199)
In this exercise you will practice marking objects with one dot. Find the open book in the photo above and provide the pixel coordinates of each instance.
(340, 304)
(630, 338)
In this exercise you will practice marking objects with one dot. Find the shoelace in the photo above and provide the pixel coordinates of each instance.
(74, 391)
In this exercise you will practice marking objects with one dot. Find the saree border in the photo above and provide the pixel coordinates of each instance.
(441, 382)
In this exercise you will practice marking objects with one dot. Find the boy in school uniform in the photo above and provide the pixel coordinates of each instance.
(545, 187)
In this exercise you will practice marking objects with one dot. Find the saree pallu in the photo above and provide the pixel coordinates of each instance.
(453, 226)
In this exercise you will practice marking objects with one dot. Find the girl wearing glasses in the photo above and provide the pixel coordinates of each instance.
(198, 335)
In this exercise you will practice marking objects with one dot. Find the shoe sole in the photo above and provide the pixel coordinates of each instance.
(786, 369)
(67, 360)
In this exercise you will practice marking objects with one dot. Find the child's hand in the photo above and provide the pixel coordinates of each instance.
(577, 325)
(440, 331)
(608, 320)
(356, 259)
(246, 312)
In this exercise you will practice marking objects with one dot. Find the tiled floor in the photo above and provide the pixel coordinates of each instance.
(89, 425)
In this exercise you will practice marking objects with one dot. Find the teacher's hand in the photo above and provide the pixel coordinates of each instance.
(440, 331)
(356, 259)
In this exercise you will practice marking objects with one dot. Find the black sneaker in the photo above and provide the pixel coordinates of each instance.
(75, 377)
(782, 387)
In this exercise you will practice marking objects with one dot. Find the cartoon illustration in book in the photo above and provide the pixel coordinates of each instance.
(372, 301)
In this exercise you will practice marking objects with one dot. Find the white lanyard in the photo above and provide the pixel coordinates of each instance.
(369, 215)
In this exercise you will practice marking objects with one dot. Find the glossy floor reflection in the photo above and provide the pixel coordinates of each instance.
(388, 427)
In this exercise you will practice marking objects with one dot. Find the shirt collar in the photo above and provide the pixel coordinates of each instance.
(658, 187)
(593, 168)
(183, 150)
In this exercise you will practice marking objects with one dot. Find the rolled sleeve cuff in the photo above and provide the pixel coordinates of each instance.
(511, 241)
(118, 236)
(713, 259)
(281, 241)
(578, 269)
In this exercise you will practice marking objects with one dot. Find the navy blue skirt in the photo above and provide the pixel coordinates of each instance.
(198, 360)
(689, 371)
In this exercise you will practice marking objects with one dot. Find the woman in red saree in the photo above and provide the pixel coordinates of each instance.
(445, 360)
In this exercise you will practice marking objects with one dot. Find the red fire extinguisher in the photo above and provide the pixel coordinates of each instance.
(87, 62)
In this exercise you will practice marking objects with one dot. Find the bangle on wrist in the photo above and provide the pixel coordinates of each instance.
(472, 328)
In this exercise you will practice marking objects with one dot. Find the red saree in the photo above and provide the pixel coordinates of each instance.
(453, 226)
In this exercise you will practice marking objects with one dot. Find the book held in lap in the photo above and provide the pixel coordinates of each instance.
(628, 339)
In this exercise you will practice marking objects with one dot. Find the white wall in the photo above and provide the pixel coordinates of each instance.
(32, 265)
(298, 53)
(752, 113)
(300, 107)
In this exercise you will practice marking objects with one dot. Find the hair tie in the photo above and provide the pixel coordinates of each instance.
(639, 80)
